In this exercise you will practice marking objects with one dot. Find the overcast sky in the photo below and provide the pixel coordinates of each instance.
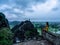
(35, 10)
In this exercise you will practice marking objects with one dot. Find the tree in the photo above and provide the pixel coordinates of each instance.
(3, 21)
(6, 36)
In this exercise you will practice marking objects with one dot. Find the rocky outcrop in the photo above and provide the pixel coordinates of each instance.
(3, 21)
(23, 28)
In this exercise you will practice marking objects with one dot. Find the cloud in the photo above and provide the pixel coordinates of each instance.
(41, 9)
(55, 9)
(18, 10)
(30, 9)
(26, 2)
(5, 6)
(13, 16)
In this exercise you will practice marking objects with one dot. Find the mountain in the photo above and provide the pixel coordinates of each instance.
(13, 23)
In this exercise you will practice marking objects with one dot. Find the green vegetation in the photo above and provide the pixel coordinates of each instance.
(27, 33)
(39, 30)
(6, 36)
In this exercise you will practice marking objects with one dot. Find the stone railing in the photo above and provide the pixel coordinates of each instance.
(51, 37)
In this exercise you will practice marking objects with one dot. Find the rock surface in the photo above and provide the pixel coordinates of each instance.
(34, 42)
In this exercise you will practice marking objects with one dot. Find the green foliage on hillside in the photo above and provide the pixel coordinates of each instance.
(27, 33)
(6, 36)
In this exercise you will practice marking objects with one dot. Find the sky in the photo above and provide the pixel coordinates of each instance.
(35, 10)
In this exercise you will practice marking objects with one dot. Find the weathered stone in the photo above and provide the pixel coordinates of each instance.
(26, 26)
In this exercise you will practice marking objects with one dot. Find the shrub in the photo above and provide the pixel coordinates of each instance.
(6, 36)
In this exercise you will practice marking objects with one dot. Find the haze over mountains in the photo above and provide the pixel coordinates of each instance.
(13, 23)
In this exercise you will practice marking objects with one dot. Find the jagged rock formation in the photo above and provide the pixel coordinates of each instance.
(23, 28)
(3, 21)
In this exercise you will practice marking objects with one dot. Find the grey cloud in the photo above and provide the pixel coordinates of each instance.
(22, 4)
(55, 9)
(25, 3)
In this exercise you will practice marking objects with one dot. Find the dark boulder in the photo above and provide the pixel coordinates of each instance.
(3, 21)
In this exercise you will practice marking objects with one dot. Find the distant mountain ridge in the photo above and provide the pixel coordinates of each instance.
(13, 23)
